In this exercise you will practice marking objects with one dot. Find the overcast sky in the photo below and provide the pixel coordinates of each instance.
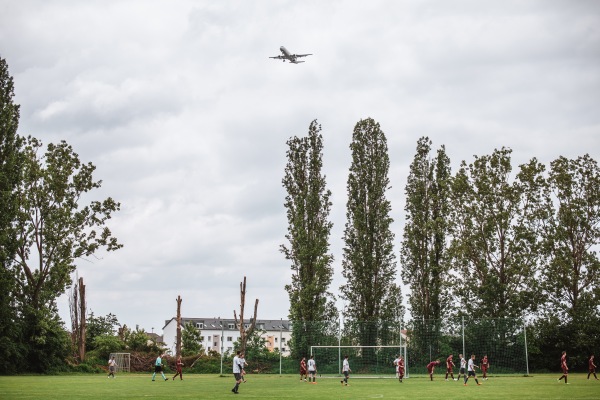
(186, 119)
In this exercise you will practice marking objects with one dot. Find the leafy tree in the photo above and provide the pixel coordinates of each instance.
(11, 348)
(423, 255)
(496, 226)
(106, 344)
(100, 326)
(308, 207)
(52, 231)
(190, 340)
(572, 276)
(369, 264)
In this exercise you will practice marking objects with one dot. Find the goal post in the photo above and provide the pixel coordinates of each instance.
(365, 361)
(123, 361)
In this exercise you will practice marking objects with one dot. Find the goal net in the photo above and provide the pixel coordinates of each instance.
(123, 361)
(365, 361)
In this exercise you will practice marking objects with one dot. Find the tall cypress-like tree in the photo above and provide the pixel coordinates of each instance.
(11, 162)
(369, 264)
(423, 255)
(424, 267)
(496, 227)
(308, 206)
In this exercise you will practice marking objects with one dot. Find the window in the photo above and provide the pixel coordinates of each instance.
(261, 326)
(282, 340)
(229, 339)
(215, 344)
(282, 349)
(230, 326)
(209, 338)
(199, 325)
(275, 340)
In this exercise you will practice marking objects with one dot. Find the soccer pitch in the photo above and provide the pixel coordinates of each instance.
(140, 386)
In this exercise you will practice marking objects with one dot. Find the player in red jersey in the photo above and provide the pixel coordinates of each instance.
(449, 366)
(303, 371)
(592, 367)
(431, 366)
(399, 363)
(485, 364)
(563, 365)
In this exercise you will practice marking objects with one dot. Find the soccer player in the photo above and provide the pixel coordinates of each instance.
(471, 370)
(400, 369)
(112, 366)
(237, 372)
(449, 366)
(563, 366)
(463, 365)
(158, 367)
(431, 366)
(303, 372)
(178, 365)
(485, 364)
(312, 369)
(346, 371)
(243, 365)
(592, 367)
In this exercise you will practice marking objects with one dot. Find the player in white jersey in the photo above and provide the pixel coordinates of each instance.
(237, 372)
(346, 371)
(463, 367)
(312, 370)
(471, 370)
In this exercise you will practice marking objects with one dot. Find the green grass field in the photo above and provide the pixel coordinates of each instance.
(140, 386)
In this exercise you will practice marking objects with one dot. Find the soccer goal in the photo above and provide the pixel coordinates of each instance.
(365, 361)
(123, 361)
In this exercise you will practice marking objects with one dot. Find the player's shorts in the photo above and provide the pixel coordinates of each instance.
(346, 373)
(311, 372)
(449, 370)
(430, 370)
(303, 372)
(462, 371)
(237, 376)
(565, 371)
(111, 368)
(471, 373)
(158, 368)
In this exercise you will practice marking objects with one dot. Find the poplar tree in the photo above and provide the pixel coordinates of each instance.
(423, 255)
(571, 237)
(495, 235)
(312, 309)
(11, 162)
(369, 266)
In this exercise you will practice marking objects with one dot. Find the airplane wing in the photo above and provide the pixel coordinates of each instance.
(302, 55)
(279, 57)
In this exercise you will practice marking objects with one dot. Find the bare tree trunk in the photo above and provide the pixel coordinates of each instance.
(82, 322)
(178, 342)
(244, 333)
(78, 323)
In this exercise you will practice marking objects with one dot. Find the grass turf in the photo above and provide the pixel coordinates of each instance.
(140, 386)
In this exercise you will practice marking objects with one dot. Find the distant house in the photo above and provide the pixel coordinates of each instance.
(154, 337)
(220, 334)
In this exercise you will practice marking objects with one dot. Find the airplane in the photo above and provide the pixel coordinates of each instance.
(290, 57)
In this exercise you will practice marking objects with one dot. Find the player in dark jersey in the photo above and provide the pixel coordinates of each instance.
(449, 366)
(303, 370)
(485, 364)
(592, 367)
(563, 366)
(431, 366)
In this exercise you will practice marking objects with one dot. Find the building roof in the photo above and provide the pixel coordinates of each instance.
(269, 324)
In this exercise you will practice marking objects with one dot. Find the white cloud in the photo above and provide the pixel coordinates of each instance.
(186, 118)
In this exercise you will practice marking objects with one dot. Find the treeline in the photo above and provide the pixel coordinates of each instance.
(490, 240)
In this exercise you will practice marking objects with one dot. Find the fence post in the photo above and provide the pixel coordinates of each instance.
(463, 335)
(526, 356)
